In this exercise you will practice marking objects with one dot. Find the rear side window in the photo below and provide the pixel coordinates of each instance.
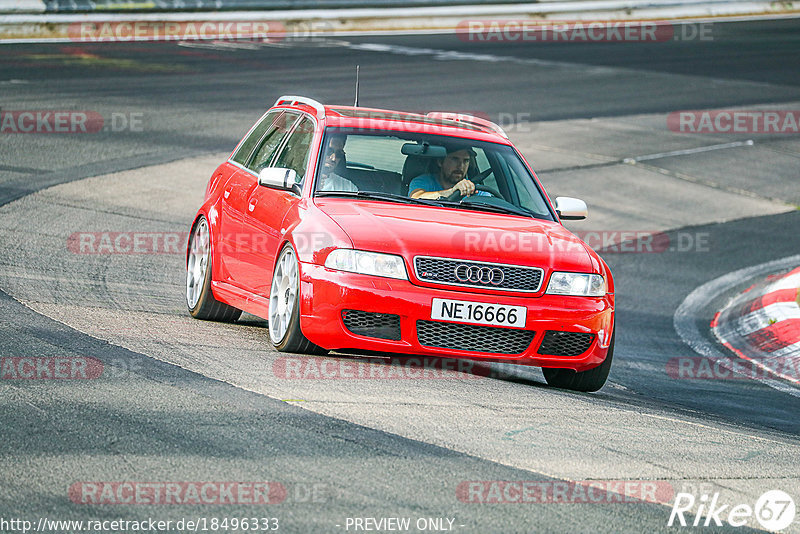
(247, 146)
(371, 152)
(294, 154)
(271, 141)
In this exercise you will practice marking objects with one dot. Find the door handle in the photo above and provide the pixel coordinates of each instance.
(252, 204)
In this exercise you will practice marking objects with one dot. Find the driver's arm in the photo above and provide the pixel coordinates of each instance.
(432, 195)
(465, 186)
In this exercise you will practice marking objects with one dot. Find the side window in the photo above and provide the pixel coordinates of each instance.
(481, 164)
(369, 151)
(521, 181)
(271, 141)
(246, 148)
(294, 154)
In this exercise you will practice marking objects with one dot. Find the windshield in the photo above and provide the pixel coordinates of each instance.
(382, 164)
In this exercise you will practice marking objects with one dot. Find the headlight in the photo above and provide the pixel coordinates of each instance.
(577, 284)
(362, 262)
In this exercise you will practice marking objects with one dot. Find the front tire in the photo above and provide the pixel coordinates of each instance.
(284, 307)
(587, 381)
(199, 297)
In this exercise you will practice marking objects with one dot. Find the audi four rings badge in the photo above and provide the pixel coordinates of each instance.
(479, 275)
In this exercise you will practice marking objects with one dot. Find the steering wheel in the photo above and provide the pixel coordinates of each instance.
(456, 195)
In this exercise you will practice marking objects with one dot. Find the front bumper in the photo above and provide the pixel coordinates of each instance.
(325, 293)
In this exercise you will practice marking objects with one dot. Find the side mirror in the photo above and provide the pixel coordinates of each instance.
(277, 178)
(571, 209)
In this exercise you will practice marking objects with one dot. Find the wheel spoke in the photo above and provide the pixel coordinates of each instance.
(286, 266)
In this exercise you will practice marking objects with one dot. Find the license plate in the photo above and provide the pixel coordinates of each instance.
(461, 311)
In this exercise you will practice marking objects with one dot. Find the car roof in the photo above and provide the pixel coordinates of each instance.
(441, 123)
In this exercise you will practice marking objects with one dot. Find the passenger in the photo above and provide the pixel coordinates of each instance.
(450, 177)
(334, 165)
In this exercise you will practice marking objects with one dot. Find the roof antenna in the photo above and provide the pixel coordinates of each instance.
(356, 103)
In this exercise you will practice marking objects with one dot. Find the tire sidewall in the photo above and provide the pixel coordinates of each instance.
(293, 328)
(207, 278)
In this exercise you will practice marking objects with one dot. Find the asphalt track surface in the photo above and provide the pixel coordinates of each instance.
(183, 400)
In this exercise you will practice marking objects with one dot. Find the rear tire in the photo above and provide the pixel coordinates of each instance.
(284, 307)
(199, 297)
(587, 381)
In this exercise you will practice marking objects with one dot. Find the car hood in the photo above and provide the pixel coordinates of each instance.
(455, 233)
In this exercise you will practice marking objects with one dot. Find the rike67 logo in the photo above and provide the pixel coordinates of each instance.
(774, 510)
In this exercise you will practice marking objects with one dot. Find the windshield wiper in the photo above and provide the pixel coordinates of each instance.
(479, 206)
(390, 197)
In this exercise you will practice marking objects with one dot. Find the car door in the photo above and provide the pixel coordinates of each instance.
(247, 180)
(267, 207)
(235, 188)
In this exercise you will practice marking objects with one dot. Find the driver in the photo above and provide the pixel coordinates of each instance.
(334, 165)
(451, 176)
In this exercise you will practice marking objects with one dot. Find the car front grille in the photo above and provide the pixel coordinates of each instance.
(377, 325)
(475, 338)
(557, 343)
(497, 276)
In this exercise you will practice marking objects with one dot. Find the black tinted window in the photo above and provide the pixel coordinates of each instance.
(295, 153)
(272, 141)
(247, 146)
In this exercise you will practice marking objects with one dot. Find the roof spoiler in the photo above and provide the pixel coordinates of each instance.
(292, 100)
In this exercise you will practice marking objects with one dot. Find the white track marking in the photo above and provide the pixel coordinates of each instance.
(764, 317)
(452, 55)
(787, 282)
(791, 350)
(221, 45)
(687, 151)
